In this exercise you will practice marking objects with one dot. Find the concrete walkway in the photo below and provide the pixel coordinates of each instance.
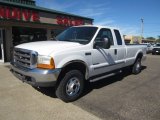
(20, 101)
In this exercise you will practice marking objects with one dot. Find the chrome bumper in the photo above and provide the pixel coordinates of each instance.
(36, 77)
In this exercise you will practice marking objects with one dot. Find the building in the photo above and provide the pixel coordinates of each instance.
(22, 21)
(130, 39)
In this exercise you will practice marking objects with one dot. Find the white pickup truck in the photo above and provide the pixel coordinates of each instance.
(78, 54)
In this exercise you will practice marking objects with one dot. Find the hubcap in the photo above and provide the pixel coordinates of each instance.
(138, 66)
(73, 86)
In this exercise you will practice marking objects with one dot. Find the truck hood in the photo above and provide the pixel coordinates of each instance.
(156, 46)
(47, 47)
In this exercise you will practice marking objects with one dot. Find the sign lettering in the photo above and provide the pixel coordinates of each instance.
(29, 15)
(19, 14)
(67, 21)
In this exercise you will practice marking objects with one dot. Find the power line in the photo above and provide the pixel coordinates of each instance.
(153, 31)
(151, 23)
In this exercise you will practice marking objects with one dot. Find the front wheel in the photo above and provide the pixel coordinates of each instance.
(71, 86)
(136, 68)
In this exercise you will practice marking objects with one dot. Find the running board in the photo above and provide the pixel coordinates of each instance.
(105, 76)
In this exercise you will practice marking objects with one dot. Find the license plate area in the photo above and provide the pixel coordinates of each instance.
(20, 76)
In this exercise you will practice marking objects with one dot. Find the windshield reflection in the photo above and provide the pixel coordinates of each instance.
(82, 35)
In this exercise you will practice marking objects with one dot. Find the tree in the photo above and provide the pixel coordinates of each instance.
(158, 40)
(151, 38)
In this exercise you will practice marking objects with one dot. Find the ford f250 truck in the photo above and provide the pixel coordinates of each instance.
(78, 54)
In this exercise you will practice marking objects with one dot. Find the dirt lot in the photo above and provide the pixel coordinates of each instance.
(120, 97)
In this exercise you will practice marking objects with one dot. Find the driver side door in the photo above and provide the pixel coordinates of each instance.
(103, 59)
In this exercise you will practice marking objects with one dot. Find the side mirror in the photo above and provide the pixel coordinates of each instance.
(106, 43)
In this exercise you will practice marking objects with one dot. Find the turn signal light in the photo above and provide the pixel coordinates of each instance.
(47, 66)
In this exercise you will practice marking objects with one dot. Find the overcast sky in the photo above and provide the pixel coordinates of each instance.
(124, 14)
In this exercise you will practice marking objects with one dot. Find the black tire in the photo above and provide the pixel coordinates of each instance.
(136, 68)
(71, 86)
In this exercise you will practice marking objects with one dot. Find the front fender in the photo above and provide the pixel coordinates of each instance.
(70, 59)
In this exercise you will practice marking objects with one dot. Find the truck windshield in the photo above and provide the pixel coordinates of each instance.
(158, 45)
(82, 35)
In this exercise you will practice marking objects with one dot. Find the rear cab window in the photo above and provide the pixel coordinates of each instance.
(118, 37)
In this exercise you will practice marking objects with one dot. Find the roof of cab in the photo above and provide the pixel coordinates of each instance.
(99, 26)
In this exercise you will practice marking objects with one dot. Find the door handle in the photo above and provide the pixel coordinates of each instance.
(88, 53)
(115, 51)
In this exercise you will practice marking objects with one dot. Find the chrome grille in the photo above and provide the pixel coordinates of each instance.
(156, 49)
(25, 58)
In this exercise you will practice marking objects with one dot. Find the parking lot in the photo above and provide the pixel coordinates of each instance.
(121, 97)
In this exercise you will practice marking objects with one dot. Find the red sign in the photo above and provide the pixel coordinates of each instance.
(19, 14)
(67, 21)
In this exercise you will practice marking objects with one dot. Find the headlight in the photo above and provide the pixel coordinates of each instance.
(45, 62)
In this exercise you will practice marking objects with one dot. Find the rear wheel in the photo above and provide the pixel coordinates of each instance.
(136, 68)
(71, 86)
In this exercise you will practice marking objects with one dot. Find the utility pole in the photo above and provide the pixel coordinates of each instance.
(142, 28)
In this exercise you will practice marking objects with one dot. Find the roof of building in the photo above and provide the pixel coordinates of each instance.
(40, 8)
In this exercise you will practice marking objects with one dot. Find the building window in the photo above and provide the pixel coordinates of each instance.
(25, 35)
(55, 32)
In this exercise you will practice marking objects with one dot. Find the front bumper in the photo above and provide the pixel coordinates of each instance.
(36, 77)
(156, 52)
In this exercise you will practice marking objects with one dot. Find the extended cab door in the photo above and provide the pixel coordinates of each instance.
(103, 59)
(121, 48)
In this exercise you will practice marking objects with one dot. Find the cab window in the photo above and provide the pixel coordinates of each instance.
(118, 37)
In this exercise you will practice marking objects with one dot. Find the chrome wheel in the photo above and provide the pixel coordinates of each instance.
(138, 66)
(73, 86)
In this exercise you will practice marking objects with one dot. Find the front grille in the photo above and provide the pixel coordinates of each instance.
(156, 49)
(25, 58)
